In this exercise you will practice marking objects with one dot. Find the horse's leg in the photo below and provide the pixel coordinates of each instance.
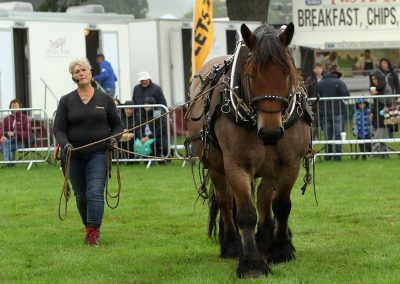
(229, 237)
(265, 229)
(282, 248)
(251, 264)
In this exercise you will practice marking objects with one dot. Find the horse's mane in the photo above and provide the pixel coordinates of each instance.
(270, 50)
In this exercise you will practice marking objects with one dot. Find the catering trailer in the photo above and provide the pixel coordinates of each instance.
(346, 28)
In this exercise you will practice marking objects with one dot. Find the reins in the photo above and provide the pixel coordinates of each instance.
(66, 190)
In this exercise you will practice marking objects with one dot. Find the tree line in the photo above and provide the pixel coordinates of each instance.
(250, 10)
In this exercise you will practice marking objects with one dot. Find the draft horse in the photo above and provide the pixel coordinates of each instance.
(254, 122)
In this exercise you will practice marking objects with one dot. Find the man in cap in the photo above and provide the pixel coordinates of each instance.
(148, 93)
(146, 88)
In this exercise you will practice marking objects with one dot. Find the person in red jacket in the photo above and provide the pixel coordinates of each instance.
(16, 131)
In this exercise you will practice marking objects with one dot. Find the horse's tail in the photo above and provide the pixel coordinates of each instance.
(212, 214)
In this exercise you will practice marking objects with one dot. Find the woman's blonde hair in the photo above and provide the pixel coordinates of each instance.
(81, 62)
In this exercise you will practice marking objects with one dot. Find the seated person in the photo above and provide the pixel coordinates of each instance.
(156, 129)
(128, 120)
(16, 131)
(1, 135)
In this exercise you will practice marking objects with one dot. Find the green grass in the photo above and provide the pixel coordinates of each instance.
(158, 233)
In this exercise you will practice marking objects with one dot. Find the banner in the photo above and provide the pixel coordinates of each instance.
(339, 15)
(203, 33)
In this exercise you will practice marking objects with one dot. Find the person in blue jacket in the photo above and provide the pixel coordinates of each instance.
(362, 125)
(107, 77)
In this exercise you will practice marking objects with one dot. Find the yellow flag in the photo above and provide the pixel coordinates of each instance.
(203, 33)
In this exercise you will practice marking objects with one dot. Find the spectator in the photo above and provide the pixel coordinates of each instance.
(16, 131)
(156, 129)
(107, 77)
(331, 111)
(146, 88)
(377, 116)
(388, 78)
(1, 134)
(128, 121)
(331, 58)
(117, 102)
(149, 92)
(385, 73)
(365, 63)
(362, 125)
(84, 116)
(311, 84)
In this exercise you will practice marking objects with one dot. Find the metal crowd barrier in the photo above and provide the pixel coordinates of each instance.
(28, 140)
(335, 134)
(170, 130)
(388, 142)
(151, 121)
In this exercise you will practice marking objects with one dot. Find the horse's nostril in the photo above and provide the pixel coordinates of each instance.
(270, 137)
(261, 133)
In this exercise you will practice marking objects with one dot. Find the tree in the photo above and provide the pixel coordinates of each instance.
(58, 5)
(219, 10)
(250, 10)
(138, 8)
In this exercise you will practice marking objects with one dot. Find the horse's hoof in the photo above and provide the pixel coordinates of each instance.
(252, 268)
(281, 253)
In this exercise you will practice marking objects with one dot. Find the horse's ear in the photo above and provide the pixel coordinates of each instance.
(287, 35)
(248, 36)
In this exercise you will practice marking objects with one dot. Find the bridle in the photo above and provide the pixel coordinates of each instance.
(283, 101)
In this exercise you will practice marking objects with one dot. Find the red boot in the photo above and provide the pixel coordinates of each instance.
(92, 236)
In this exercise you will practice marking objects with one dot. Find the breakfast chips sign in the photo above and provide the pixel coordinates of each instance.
(320, 15)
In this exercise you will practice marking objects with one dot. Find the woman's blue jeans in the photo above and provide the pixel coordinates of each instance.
(88, 172)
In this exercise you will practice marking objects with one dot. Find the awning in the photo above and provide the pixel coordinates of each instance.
(346, 41)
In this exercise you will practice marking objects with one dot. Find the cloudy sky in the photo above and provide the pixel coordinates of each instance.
(158, 8)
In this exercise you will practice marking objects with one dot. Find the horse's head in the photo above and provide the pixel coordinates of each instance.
(270, 75)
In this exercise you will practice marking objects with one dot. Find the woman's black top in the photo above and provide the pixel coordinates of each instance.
(80, 124)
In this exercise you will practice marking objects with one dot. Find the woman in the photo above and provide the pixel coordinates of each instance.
(377, 88)
(386, 75)
(85, 116)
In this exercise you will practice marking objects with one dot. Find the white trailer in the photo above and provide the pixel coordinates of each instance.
(163, 48)
(37, 47)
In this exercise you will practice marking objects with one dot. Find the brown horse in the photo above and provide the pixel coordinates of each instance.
(252, 123)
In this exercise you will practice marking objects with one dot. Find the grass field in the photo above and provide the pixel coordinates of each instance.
(158, 233)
